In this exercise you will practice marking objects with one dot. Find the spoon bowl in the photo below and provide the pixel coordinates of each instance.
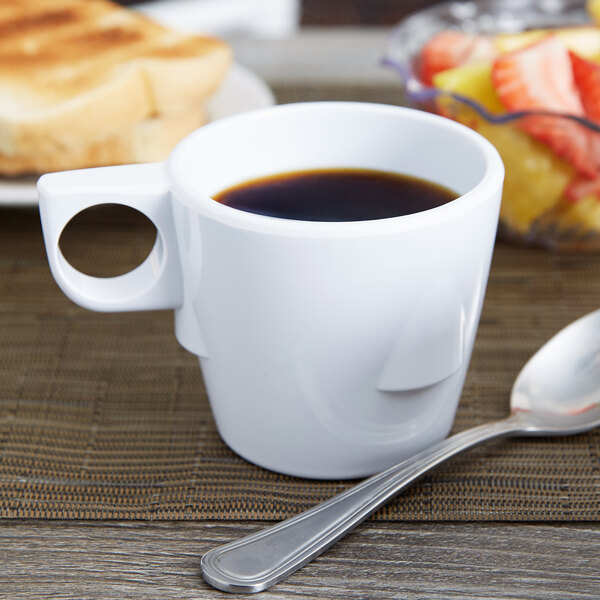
(558, 390)
(556, 393)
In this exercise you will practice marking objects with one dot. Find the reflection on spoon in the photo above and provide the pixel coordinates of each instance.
(556, 393)
(563, 377)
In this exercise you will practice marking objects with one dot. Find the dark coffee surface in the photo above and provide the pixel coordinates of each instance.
(336, 195)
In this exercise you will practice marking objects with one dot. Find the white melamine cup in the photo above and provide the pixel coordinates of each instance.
(328, 350)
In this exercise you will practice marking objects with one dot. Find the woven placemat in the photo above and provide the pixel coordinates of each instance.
(104, 416)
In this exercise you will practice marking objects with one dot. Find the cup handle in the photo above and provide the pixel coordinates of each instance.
(156, 283)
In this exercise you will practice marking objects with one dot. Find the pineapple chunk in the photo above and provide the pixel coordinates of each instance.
(580, 217)
(473, 81)
(593, 10)
(583, 40)
(535, 176)
(509, 42)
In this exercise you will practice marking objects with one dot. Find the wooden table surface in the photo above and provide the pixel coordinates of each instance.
(91, 560)
(118, 560)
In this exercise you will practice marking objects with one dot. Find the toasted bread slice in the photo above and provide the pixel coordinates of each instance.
(72, 71)
(148, 140)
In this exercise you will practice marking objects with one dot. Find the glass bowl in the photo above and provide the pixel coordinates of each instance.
(535, 209)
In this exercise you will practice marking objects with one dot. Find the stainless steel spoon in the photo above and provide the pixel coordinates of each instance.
(556, 393)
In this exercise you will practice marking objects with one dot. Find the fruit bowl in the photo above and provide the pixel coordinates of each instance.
(526, 75)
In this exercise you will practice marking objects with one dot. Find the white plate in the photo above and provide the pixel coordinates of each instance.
(242, 90)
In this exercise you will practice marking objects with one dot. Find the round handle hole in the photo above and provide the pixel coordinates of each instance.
(107, 240)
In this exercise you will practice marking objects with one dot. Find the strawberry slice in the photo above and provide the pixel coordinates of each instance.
(448, 49)
(587, 79)
(540, 77)
(582, 188)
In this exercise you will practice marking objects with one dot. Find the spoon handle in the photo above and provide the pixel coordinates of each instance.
(256, 562)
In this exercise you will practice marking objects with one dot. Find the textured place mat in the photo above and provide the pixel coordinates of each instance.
(104, 416)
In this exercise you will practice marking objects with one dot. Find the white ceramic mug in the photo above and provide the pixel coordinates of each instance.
(328, 350)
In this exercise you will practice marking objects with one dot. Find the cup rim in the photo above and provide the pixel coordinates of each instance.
(485, 189)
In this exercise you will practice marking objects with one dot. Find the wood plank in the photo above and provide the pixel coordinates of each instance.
(109, 560)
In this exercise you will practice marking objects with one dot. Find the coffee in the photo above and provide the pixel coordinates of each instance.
(342, 194)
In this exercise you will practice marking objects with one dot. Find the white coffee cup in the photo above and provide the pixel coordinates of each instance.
(328, 350)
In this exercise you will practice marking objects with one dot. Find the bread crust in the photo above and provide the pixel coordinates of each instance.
(73, 71)
(148, 140)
